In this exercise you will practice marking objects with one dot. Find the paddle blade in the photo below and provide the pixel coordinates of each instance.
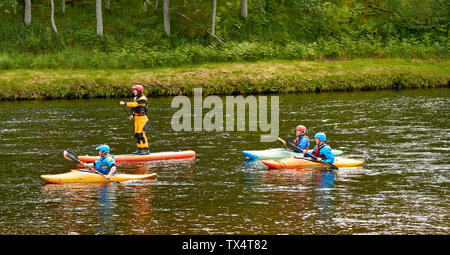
(291, 145)
(71, 156)
(281, 140)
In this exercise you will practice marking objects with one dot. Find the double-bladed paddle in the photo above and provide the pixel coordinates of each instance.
(292, 145)
(71, 156)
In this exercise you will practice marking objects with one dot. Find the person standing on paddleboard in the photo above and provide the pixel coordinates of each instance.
(302, 140)
(106, 164)
(322, 150)
(139, 108)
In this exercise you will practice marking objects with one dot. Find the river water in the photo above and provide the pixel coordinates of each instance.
(403, 137)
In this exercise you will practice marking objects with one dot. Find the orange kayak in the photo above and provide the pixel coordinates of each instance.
(89, 176)
(296, 163)
(169, 155)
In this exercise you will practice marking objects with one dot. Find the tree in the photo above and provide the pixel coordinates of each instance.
(108, 5)
(244, 12)
(166, 17)
(213, 22)
(145, 7)
(98, 13)
(27, 12)
(52, 16)
(63, 6)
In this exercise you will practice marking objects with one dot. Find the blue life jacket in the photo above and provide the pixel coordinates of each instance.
(302, 142)
(104, 164)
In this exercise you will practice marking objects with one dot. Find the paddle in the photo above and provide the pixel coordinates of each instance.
(71, 156)
(291, 145)
(283, 141)
(130, 117)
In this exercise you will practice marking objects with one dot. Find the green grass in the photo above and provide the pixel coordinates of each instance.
(192, 53)
(274, 76)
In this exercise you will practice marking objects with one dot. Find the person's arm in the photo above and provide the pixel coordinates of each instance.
(307, 151)
(327, 153)
(304, 143)
(139, 102)
(112, 171)
(131, 104)
(88, 165)
(112, 166)
(298, 145)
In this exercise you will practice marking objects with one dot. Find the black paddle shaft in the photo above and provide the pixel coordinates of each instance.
(126, 111)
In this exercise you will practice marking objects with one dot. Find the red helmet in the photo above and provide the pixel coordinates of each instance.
(139, 88)
(301, 128)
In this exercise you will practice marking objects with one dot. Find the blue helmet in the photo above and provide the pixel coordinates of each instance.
(104, 148)
(321, 136)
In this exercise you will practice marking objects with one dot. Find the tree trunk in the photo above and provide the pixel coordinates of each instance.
(156, 5)
(244, 12)
(27, 12)
(213, 21)
(107, 5)
(52, 16)
(145, 7)
(166, 17)
(98, 12)
(63, 6)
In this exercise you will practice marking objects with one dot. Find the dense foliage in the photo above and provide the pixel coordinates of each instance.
(274, 29)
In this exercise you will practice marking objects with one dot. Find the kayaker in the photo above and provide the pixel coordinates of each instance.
(322, 150)
(106, 163)
(139, 108)
(301, 140)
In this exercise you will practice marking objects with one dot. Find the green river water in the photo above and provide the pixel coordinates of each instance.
(403, 137)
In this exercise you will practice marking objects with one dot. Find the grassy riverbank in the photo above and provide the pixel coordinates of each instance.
(227, 78)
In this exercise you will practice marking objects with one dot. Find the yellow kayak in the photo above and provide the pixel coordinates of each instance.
(295, 163)
(89, 176)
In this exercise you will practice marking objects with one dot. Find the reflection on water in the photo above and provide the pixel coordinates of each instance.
(310, 190)
(401, 135)
(80, 203)
(97, 208)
